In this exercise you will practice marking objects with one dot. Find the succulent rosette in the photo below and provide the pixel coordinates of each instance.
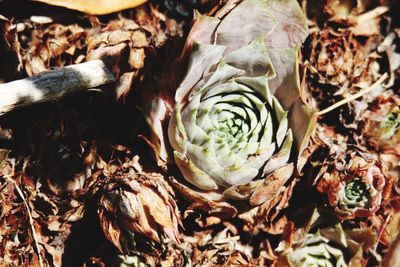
(356, 189)
(315, 251)
(382, 123)
(330, 246)
(237, 124)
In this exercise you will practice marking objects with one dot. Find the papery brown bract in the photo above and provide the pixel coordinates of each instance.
(136, 202)
(95, 7)
(52, 205)
(340, 60)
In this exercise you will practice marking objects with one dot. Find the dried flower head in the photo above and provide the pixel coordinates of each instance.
(136, 202)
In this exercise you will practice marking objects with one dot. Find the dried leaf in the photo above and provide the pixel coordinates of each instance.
(95, 7)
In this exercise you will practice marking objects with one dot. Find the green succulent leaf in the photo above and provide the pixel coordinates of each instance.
(238, 118)
(391, 125)
(355, 194)
(328, 246)
(237, 125)
(130, 261)
(229, 123)
(316, 252)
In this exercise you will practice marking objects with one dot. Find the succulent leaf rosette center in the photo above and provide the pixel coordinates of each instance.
(232, 130)
(355, 194)
(358, 191)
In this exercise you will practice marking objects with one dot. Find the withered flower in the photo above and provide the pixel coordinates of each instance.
(136, 202)
(356, 189)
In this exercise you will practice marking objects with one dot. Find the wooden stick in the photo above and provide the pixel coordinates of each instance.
(53, 85)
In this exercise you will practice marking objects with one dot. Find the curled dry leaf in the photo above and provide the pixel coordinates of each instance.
(205, 248)
(52, 216)
(5, 29)
(238, 125)
(121, 43)
(340, 63)
(57, 44)
(95, 7)
(338, 58)
(223, 248)
(136, 202)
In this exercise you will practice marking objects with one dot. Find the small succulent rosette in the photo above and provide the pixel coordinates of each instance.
(330, 246)
(355, 187)
(238, 125)
(382, 123)
(315, 250)
(136, 202)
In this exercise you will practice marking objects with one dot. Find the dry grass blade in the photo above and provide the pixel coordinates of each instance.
(355, 96)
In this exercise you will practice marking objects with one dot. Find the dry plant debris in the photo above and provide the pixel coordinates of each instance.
(117, 176)
(96, 7)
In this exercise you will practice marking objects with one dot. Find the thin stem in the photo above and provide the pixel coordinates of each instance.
(353, 97)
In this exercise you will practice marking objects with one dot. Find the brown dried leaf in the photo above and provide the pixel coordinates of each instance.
(95, 7)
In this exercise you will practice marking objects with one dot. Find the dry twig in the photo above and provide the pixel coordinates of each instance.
(53, 85)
